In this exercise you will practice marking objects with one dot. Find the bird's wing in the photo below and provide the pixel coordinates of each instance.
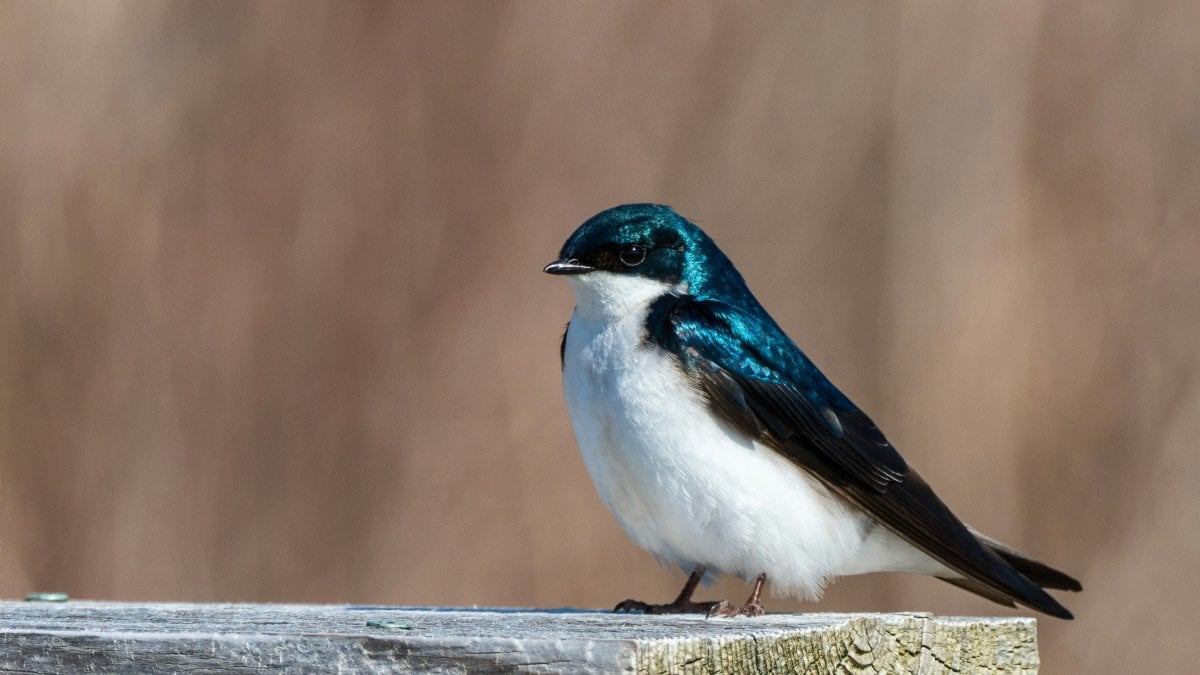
(754, 376)
(562, 347)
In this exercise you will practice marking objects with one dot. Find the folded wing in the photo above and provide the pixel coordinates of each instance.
(760, 382)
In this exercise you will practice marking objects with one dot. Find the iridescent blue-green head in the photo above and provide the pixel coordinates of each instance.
(648, 242)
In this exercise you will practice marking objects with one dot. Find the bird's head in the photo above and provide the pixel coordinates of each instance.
(636, 252)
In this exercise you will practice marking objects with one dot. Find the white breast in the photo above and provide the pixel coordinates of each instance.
(684, 485)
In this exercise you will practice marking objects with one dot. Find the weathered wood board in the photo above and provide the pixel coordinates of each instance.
(80, 636)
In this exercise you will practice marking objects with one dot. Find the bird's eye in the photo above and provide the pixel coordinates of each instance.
(633, 255)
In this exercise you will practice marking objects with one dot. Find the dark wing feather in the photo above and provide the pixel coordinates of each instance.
(562, 346)
(1038, 572)
(763, 384)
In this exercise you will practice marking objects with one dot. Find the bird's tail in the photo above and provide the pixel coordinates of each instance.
(1038, 572)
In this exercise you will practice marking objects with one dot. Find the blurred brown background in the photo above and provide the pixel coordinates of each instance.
(273, 325)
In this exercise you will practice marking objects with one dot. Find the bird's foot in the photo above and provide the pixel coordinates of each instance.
(724, 609)
(751, 608)
(677, 607)
(681, 605)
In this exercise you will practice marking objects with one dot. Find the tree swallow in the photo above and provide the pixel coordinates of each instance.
(719, 447)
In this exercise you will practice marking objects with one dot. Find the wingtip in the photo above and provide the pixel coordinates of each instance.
(1059, 612)
(1048, 605)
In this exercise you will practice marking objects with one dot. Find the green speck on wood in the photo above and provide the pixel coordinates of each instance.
(46, 597)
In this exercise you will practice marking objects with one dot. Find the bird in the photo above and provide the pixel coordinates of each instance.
(720, 448)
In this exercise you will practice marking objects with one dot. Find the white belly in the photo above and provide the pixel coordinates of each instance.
(685, 486)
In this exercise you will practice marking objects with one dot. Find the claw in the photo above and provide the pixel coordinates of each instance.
(688, 607)
(725, 610)
(632, 606)
(751, 608)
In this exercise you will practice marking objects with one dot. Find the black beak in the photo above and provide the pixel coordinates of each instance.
(567, 266)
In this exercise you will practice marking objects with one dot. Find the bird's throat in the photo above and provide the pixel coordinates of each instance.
(606, 296)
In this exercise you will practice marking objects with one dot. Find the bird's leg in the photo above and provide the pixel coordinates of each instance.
(752, 606)
(682, 604)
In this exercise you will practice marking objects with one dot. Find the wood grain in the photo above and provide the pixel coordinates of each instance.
(125, 637)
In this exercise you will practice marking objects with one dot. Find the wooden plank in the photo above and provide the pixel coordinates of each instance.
(78, 636)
